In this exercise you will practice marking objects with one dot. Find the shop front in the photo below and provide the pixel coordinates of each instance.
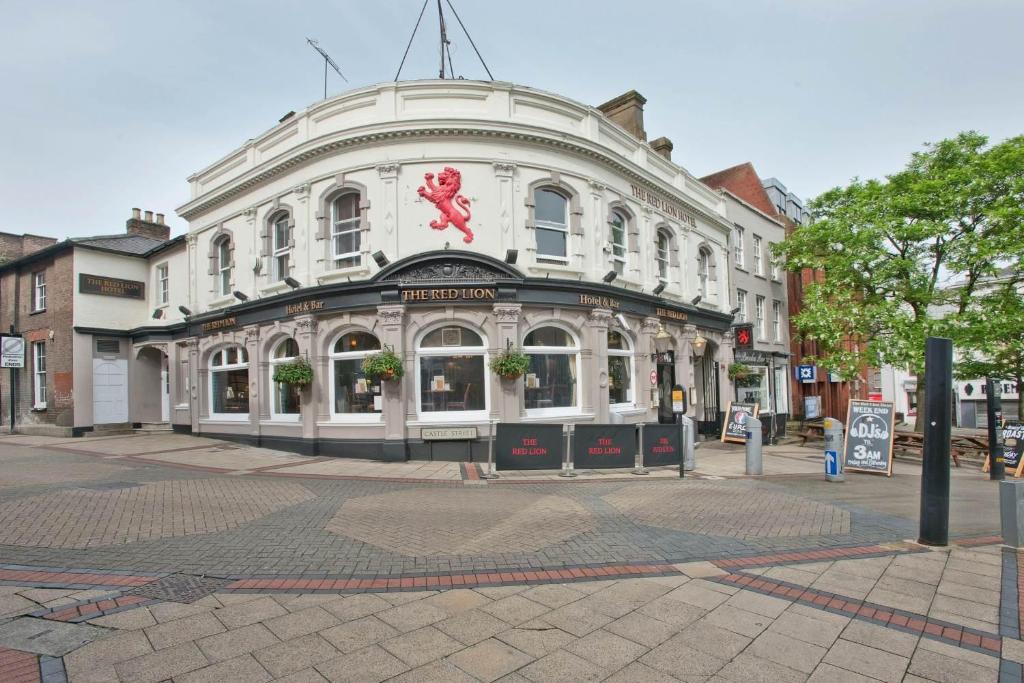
(597, 354)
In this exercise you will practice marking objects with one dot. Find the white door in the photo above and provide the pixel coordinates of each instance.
(109, 391)
(165, 393)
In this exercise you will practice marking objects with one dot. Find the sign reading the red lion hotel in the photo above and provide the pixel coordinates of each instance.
(111, 286)
(670, 209)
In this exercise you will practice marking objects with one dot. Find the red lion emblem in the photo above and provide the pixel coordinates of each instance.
(449, 182)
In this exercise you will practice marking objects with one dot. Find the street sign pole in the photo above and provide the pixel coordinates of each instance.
(994, 404)
(938, 382)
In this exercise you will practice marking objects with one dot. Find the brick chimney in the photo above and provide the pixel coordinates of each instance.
(149, 226)
(662, 146)
(627, 110)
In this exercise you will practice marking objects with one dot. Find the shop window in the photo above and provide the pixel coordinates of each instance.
(617, 241)
(285, 401)
(346, 230)
(662, 255)
(754, 388)
(229, 384)
(452, 371)
(551, 216)
(222, 247)
(39, 291)
(39, 375)
(353, 395)
(280, 246)
(620, 370)
(551, 381)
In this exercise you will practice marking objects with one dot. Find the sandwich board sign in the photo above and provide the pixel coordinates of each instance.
(12, 352)
(869, 435)
(735, 427)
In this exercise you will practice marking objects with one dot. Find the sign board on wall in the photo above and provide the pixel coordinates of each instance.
(111, 286)
(521, 446)
(1013, 443)
(735, 427)
(807, 373)
(744, 336)
(12, 352)
(604, 446)
(812, 407)
(869, 435)
(662, 444)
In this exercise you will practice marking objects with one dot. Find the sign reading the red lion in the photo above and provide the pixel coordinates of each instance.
(445, 196)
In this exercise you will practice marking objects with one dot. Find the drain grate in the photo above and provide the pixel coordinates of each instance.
(108, 485)
(185, 588)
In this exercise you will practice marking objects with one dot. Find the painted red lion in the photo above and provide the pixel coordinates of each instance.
(441, 195)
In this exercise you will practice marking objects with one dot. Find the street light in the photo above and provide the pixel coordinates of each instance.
(698, 345)
(663, 343)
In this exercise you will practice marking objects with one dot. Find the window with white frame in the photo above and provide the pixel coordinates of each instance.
(229, 384)
(39, 375)
(773, 260)
(551, 218)
(617, 239)
(776, 320)
(741, 303)
(620, 370)
(285, 401)
(39, 291)
(346, 230)
(551, 381)
(704, 270)
(758, 256)
(223, 268)
(664, 245)
(451, 368)
(737, 248)
(759, 311)
(163, 284)
(280, 246)
(354, 396)
(754, 388)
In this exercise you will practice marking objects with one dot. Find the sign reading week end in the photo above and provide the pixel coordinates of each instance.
(604, 446)
(528, 446)
(869, 435)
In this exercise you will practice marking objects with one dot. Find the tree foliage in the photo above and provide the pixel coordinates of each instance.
(887, 250)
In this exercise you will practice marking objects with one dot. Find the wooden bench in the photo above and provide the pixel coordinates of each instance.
(811, 430)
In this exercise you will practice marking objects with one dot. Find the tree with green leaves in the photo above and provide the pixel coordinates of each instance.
(886, 251)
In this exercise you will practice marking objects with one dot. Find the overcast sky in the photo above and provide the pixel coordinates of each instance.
(110, 105)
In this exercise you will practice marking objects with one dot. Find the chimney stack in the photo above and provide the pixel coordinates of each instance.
(663, 146)
(148, 227)
(627, 110)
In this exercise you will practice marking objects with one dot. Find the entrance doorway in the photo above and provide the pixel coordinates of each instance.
(151, 398)
(709, 407)
(666, 380)
(109, 391)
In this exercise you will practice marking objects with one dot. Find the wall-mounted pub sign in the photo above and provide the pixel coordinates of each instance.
(744, 336)
(111, 286)
(427, 294)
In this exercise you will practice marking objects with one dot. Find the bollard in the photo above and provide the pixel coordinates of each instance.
(491, 474)
(689, 444)
(1011, 511)
(994, 406)
(566, 467)
(755, 464)
(833, 450)
(638, 462)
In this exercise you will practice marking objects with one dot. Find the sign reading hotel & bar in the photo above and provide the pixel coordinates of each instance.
(304, 307)
(423, 294)
(735, 427)
(604, 446)
(599, 301)
(111, 286)
(521, 446)
(869, 435)
(662, 444)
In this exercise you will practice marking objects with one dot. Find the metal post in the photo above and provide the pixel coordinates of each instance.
(938, 380)
(566, 472)
(833, 449)
(689, 443)
(755, 462)
(14, 389)
(491, 474)
(994, 404)
(639, 462)
(682, 446)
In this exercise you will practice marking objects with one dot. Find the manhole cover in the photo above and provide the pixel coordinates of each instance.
(181, 588)
(109, 485)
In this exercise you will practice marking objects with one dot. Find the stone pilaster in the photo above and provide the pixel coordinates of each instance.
(316, 393)
(252, 350)
(508, 396)
(387, 241)
(644, 366)
(504, 172)
(595, 365)
(393, 414)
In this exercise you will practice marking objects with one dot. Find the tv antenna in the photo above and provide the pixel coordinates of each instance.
(445, 47)
(327, 60)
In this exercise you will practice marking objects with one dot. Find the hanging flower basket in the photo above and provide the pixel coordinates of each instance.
(384, 366)
(739, 372)
(297, 372)
(510, 363)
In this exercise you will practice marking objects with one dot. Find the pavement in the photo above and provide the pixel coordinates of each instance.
(170, 557)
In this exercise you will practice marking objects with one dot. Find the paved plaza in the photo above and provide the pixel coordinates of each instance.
(158, 557)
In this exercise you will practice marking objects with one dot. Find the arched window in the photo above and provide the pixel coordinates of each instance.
(617, 239)
(620, 370)
(551, 216)
(280, 245)
(285, 397)
(551, 382)
(222, 248)
(353, 395)
(345, 230)
(229, 384)
(704, 270)
(451, 367)
(663, 247)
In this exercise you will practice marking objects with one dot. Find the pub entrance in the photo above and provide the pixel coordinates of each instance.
(666, 367)
(709, 411)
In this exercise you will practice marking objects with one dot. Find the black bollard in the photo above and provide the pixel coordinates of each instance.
(938, 385)
(994, 404)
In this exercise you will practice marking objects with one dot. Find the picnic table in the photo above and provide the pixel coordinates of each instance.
(960, 444)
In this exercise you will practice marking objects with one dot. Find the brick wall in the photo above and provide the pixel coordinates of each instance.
(53, 326)
(15, 246)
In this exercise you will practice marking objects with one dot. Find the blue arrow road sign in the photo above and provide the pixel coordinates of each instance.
(831, 463)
